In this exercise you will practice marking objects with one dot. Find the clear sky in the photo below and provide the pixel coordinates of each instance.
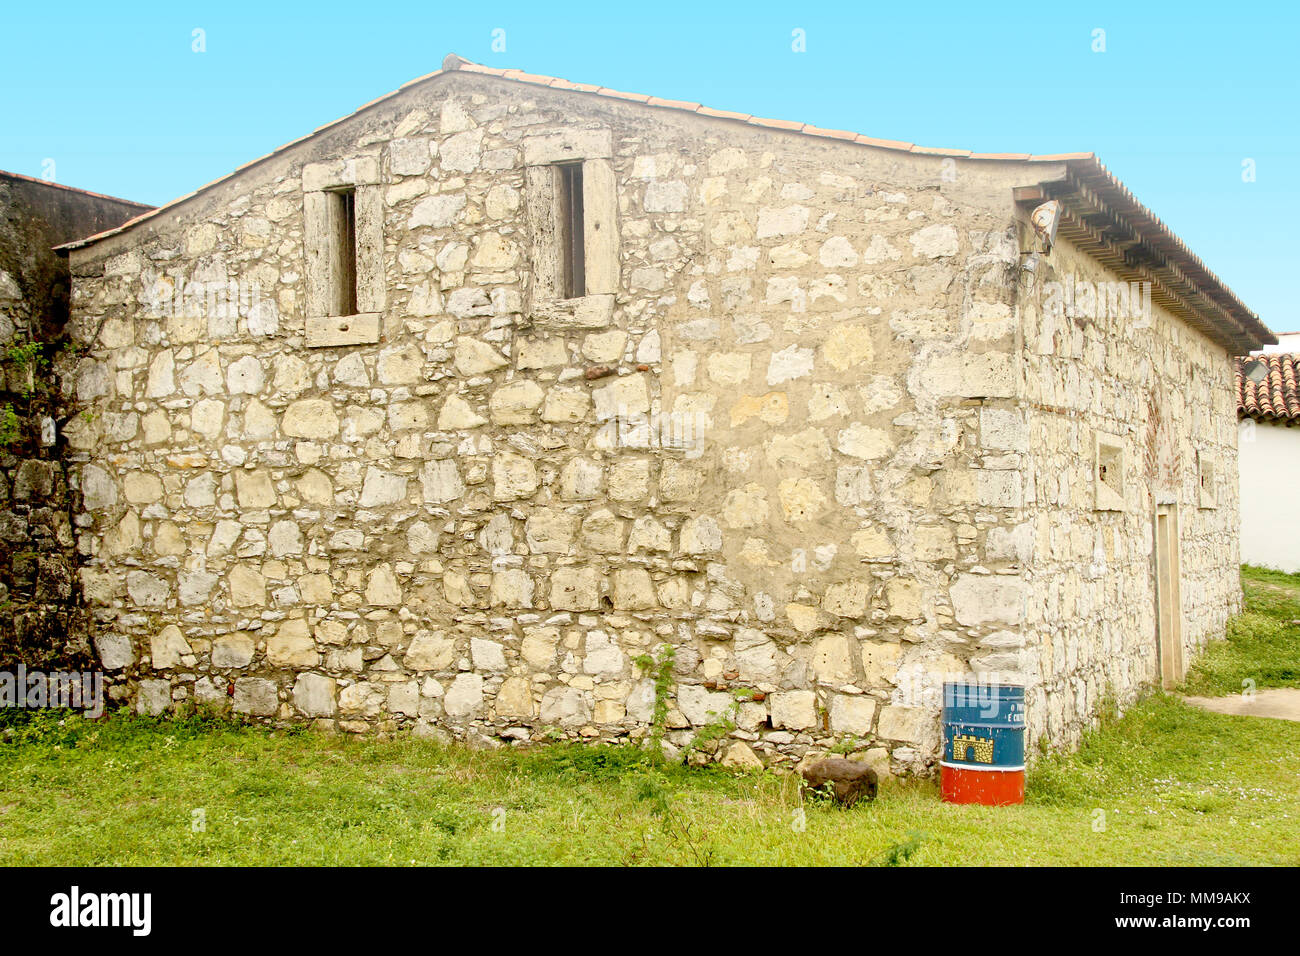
(1182, 95)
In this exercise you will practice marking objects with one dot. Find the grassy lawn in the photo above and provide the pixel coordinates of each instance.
(1165, 784)
(1263, 642)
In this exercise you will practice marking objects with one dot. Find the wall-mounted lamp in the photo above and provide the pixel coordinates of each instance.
(1045, 219)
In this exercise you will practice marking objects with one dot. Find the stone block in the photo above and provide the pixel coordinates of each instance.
(988, 599)
(153, 697)
(633, 589)
(566, 707)
(575, 589)
(794, 710)
(852, 714)
(168, 648)
(256, 696)
(314, 695)
(917, 726)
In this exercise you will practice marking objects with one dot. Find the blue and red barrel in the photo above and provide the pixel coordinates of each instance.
(983, 744)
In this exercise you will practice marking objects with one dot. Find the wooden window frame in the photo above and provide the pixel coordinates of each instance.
(569, 179)
(343, 213)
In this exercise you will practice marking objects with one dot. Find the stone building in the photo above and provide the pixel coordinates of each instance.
(42, 618)
(443, 415)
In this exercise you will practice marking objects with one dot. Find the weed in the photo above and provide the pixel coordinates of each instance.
(660, 669)
(11, 431)
(899, 853)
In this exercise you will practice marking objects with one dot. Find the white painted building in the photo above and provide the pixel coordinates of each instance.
(1269, 458)
(1286, 342)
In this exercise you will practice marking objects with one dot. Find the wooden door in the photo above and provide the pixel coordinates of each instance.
(1169, 598)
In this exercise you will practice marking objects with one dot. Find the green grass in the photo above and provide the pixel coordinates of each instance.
(1164, 785)
(1263, 643)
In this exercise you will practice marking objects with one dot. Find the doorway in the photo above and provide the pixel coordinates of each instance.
(1169, 597)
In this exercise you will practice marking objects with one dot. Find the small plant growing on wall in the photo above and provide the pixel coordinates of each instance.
(660, 669)
(11, 431)
(23, 376)
(708, 735)
(845, 745)
(722, 724)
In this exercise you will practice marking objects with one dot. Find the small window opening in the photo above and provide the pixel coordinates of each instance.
(1207, 482)
(1110, 474)
(343, 252)
(1108, 469)
(573, 260)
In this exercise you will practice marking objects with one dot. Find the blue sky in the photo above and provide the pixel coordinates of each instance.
(1181, 96)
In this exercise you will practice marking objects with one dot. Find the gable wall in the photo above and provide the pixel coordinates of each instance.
(333, 534)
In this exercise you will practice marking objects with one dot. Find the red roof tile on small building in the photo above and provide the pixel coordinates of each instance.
(1277, 397)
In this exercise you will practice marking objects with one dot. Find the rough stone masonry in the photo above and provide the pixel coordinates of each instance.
(809, 424)
(43, 622)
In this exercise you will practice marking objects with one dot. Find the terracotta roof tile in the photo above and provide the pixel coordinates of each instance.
(723, 114)
(1062, 157)
(673, 104)
(882, 143)
(1277, 397)
(619, 94)
(831, 133)
(792, 125)
(420, 79)
(559, 84)
(940, 151)
(523, 77)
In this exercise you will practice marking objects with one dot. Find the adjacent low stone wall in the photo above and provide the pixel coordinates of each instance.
(43, 622)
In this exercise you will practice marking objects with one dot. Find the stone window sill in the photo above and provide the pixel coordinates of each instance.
(332, 331)
(586, 312)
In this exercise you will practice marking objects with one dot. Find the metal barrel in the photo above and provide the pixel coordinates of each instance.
(983, 744)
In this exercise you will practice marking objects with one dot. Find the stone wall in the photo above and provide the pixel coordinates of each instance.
(784, 442)
(1166, 392)
(43, 623)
